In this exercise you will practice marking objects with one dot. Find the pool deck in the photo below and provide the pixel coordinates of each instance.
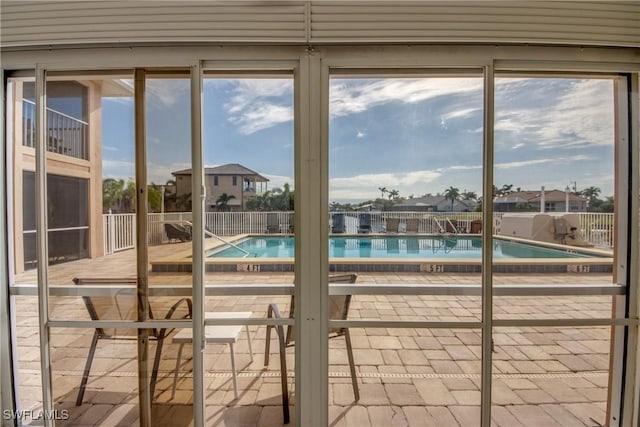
(542, 376)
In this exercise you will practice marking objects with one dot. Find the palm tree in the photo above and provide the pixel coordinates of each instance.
(383, 190)
(591, 193)
(112, 192)
(452, 194)
(222, 204)
(469, 195)
(393, 194)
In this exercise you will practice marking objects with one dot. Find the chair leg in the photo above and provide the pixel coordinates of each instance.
(352, 366)
(175, 373)
(267, 346)
(283, 374)
(87, 368)
(156, 366)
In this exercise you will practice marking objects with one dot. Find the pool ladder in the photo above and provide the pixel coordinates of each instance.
(226, 242)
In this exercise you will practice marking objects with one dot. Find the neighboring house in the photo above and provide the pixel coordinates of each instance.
(435, 204)
(529, 201)
(233, 179)
(74, 168)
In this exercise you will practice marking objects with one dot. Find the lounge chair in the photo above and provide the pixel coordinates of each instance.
(122, 306)
(412, 225)
(273, 223)
(338, 223)
(393, 225)
(177, 232)
(338, 310)
(364, 223)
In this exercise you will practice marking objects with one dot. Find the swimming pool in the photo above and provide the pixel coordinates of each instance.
(395, 247)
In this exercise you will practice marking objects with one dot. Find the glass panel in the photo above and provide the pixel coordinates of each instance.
(248, 159)
(408, 211)
(550, 376)
(169, 235)
(554, 199)
(110, 396)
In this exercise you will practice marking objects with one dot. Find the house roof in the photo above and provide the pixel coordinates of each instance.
(228, 169)
(435, 201)
(535, 196)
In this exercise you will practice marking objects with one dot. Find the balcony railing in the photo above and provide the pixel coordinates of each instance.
(119, 229)
(66, 135)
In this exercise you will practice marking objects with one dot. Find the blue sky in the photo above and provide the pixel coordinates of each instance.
(416, 135)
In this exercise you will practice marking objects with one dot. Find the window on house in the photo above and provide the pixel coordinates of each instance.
(215, 180)
(235, 180)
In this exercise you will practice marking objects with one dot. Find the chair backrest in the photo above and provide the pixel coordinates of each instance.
(364, 222)
(393, 224)
(412, 225)
(273, 223)
(121, 305)
(176, 231)
(338, 306)
(338, 223)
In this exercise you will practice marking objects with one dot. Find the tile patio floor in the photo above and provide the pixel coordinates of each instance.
(543, 376)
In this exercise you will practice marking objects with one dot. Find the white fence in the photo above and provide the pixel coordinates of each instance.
(120, 232)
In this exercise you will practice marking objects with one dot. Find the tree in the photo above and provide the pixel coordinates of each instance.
(393, 194)
(469, 195)
(383, 190)
(222, 204)
(154, 197)
(452, 193)
(591, 193)
(112, 191)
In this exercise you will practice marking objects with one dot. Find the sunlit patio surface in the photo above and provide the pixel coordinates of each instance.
(543, 376)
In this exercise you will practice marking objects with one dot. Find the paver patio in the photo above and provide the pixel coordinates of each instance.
(542, 375)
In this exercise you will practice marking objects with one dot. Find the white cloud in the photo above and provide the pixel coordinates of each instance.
(365, 186)
(460, 114)
(582, 116)
(360, 134)
(109, 148)
(257, 104)
(168, 91)
(349, 96)
(277, 181)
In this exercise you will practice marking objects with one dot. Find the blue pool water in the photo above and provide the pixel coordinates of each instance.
(394, 247)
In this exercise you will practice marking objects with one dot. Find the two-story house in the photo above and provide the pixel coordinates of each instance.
(231, 179)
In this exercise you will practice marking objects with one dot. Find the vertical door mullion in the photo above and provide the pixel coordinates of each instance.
(487, 247)
(142, 258)
(628, 237)
(311, 261)
(42, 255)
(198, 192)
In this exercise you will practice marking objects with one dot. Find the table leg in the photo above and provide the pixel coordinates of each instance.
(233, 371)
(249, 339)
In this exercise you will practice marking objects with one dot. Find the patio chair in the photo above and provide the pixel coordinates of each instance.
(338, 310)
(412, 225)
(339, 225)
(393, 225)
(122, 306)
(364, 223)
(177, 232)
(273, 223)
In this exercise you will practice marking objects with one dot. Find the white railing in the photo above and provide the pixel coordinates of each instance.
(597, 228)
(119, 229)
(67, 135)
(119, 232)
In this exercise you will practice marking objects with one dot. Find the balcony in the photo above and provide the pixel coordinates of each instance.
(66, 135)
